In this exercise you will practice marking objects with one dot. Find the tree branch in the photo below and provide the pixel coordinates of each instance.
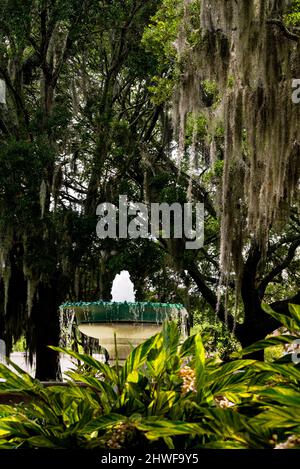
(282, 305)
(287, 33)
(208, 294)
(279, 268)
(18, 99)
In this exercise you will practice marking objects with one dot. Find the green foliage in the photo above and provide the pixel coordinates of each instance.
(159, 36)
(273, 353)
(218, 168)
(20, 345)
(220, 132)
(77, 116)
(215, 173)
(292, 18)
(196, 128)
(161, 89)
(230, 81)
(166, 395)
(158, 40)
(210, 92)
(218, 340)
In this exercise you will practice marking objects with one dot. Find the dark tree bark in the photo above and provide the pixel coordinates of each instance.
(13, 317)
(257, 324)
(46, 332)
(207, 293)
(2, 321)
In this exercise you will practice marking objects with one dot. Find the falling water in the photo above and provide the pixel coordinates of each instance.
(66, 320)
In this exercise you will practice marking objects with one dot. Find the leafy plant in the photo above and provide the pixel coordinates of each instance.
(292, 17)
(167, 394)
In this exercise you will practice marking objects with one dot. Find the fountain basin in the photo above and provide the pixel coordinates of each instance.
(130, 323)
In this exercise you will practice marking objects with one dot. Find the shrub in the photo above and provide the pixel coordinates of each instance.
(166, 395)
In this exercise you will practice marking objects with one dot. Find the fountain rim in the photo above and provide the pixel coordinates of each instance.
(97, 312)
(130, 303)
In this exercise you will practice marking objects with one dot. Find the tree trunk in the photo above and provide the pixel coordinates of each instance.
(14, 317)
(105, 285)
(257, 324)
(2, 316)
(46, 321)
(208, 294)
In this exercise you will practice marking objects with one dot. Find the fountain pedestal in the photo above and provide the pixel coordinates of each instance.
(128, 336)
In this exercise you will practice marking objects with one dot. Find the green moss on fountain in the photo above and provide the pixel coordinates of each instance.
(105, 311)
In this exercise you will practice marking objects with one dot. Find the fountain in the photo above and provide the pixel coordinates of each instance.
(123, 323)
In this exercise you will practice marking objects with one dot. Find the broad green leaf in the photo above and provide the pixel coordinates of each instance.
(138, 357)
(226, 422)
(107, 393)
(162, 403)
(199, 366)
(16, 382)
(283, 395)
(92, 362)
(285, 320)
(286, 370)
(156, 428)
(188, 347)
(265, 343)
(277, 417)
(223, 370)
(225, 444)
(171, 336)
(295, 313)
(42, 442)
(101, 423)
